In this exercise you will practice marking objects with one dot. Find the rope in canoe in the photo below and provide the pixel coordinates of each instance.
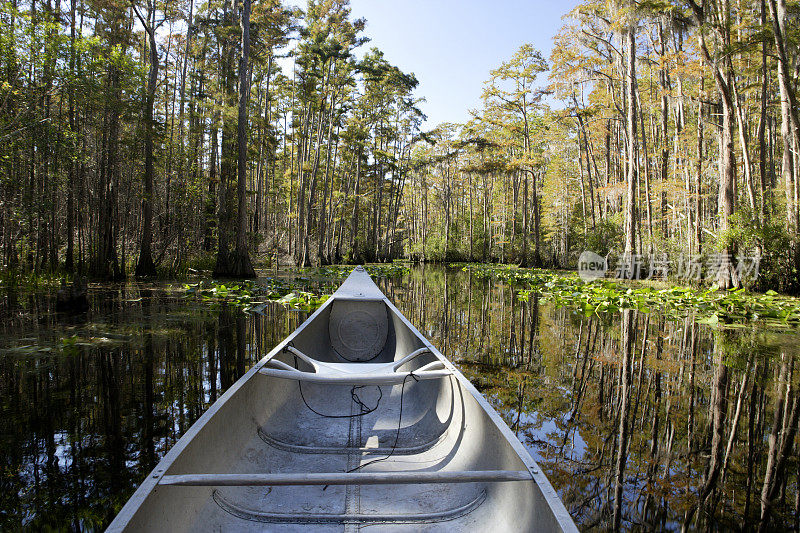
(399, 423)
(396, 435)
(364, 409)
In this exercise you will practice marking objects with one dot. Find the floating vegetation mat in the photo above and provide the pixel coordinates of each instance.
(252, 297)
(304, 288)
(729, 308)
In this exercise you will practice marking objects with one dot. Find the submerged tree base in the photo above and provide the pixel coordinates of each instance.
(145, 268)
(234, 265)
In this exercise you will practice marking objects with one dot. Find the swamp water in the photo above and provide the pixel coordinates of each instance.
(660, 422)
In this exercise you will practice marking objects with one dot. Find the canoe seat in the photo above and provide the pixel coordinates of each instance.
(447, 509)
(354, 373)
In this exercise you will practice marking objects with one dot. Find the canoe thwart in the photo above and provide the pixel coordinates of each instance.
(344, 478)
(393, 378)
(354, 373)
(409, 357)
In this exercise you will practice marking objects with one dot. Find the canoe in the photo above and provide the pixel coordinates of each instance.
(353, 421)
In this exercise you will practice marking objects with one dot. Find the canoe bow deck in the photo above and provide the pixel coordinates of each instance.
(308, 440)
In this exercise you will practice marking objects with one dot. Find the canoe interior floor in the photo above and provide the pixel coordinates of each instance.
(312, 443)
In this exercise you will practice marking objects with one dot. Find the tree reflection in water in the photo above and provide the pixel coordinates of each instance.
(90, 406)
(638, 421)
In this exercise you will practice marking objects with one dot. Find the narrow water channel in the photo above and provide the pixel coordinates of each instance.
(665, 423)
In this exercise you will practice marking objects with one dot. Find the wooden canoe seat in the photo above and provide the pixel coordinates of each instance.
(354, 373)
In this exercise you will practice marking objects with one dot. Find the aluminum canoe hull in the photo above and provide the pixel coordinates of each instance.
(268, 456)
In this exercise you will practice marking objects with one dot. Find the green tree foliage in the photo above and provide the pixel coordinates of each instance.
(665, 127)
(120, 124)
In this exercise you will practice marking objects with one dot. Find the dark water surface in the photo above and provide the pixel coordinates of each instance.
(662, 423)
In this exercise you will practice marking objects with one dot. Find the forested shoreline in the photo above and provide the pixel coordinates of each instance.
(151, 137)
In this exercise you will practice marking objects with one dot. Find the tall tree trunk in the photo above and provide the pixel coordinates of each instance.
(719, 14)
(537, 254)
(727, 276)
(69, 260)
(647, 196)
(106, 263)
(790, 123)
(322, 224)
(630, 152)
(211, 207)
(698, 197)
(145, 266)
(240, 265)
(182, 189)
(355, 246)
(762, 120)
(663, 80)
(226, 226)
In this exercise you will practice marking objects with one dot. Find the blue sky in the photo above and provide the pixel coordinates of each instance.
(451, 45)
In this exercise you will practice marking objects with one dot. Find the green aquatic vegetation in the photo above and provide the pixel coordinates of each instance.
(508, 273)
(253, 297)
(389, 270)
(304, 288)
(26, 350)
(306, 301)
(708, 306)
(69, 345)
(16, 280)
